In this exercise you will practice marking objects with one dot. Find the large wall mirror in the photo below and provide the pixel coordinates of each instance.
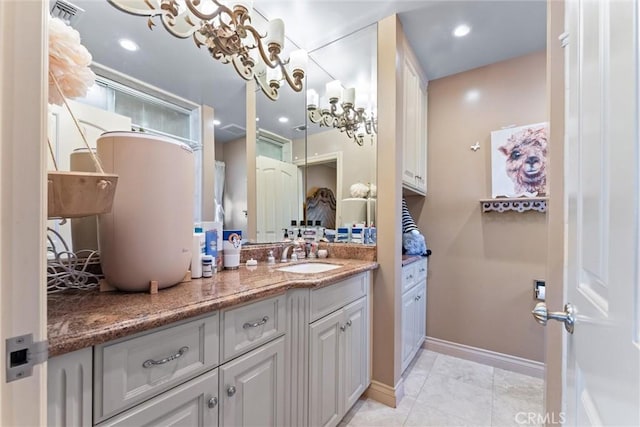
(181, 79)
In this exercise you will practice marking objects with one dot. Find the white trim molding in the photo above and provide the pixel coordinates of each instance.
(390, 396)
(487, 357)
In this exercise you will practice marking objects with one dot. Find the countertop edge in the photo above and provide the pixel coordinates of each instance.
(72, 342)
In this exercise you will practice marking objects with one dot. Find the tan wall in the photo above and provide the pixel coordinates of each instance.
(359, 162)
(483, 265)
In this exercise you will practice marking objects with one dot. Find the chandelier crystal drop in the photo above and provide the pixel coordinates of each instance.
(227, 33)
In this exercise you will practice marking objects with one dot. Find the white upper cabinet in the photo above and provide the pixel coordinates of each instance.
(414, 124)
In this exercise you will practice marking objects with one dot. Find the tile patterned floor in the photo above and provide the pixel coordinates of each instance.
(443, 391)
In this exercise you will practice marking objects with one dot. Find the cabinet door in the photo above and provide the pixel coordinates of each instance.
(194, 403)
(411, 87)
(356, 349)
(325, 389)
(421, 313)
(408, 326)
(421, 143)
(252, 387)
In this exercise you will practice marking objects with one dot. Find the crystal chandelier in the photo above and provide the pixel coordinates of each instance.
(344, 116)
(229, 36)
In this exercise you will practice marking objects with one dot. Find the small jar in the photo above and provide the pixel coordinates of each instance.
(207, 266)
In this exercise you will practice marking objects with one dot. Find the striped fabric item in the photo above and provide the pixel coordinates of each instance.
(408, 224)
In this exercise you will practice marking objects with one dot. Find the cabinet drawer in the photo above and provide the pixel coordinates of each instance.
(191, 404)
(409, 276)
(421, 269)
(330, 298)
(248, 326)
(132, 370)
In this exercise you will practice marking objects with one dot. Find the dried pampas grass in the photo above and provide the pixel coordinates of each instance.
(68, 63)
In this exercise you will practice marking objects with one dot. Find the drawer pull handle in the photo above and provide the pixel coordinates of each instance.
(255, 324)
(151, 363)
(231, 390)
(212, 402)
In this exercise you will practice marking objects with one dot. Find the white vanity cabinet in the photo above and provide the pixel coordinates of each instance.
(338, 351)
(414, 309)
(414, 125)
(245, 365)
(69, 389)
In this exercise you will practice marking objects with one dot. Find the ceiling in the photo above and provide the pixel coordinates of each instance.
(499, 30)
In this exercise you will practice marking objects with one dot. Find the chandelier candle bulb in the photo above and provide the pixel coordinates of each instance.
(312, 98)
(274, 75)
(298, 60)
(349, 96)
(275, 34)
(334, 89)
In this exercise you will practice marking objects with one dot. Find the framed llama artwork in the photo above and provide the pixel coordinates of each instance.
(519, 161)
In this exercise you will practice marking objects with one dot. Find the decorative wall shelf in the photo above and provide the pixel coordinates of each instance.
(518, 204)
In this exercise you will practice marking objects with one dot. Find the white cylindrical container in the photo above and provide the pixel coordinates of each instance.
(232, 244)
(196, 255)
(148, 234)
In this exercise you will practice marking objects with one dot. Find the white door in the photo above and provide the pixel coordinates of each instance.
(23, 132)
(277, 194)
(252, 388)
(602, 359)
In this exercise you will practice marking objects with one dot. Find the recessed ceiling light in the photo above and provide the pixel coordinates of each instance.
(129, 45)
(216, 122)
(283, 119)
(472, 95)
(461, 30)
(257, 119)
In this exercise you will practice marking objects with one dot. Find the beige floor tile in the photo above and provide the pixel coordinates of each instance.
(465, 371)
(372, 414)
(512, 411)
(517, 385)
(425, 416)
(451, 395)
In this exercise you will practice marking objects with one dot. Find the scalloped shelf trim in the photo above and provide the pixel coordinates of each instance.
(518, 204)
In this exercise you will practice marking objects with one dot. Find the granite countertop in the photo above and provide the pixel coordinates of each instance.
(409, 259)
(79, 319)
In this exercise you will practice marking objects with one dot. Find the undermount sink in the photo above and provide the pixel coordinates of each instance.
(309, 267)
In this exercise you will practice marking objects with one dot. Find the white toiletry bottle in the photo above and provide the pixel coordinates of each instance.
(197, 250)
(207, 266)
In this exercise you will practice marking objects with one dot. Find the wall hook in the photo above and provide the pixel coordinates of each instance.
(476, 146)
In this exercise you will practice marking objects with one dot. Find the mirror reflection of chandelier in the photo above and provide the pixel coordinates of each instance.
(344, 116)
(229, 36)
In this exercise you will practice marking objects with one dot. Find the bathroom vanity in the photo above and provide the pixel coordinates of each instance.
(246, 347)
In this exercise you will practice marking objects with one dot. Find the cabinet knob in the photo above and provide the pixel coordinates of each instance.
(349, 322)
(343, 328)
(212, 402)
(231, 390)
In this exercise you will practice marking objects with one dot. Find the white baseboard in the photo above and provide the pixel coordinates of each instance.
(384, 394)
(487, 357)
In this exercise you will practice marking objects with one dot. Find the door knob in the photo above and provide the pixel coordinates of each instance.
(568, 316)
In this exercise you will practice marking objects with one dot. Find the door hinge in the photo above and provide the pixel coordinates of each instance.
(564, 39)
(23, 354)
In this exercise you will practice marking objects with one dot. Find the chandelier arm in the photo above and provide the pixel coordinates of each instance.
(258, 39)
(242, 69)
(295, 82)
(204, 16)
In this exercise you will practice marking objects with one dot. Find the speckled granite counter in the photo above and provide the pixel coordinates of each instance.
(409, 259)
(79, 319)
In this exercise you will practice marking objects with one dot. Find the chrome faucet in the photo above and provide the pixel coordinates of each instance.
(285, 252)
